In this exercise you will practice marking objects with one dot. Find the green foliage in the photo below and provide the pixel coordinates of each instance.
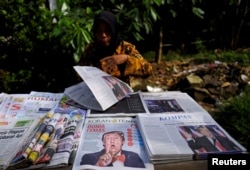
(235, 117)
(241, 56)
(74, 24)
(10, 80)
(149, 55)
(24, 23)
(34, 39)
(74, 29)
(29, 55)
(33, 46)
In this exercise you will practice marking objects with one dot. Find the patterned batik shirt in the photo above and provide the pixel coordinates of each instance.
(135, 66)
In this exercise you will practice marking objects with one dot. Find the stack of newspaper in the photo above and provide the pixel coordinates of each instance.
(185, 136)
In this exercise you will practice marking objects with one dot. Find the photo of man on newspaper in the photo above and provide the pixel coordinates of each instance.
(120, 90)
(207, 139)
(112, 153)
(163, 105)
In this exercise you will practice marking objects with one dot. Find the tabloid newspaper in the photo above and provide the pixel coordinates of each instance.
(185, 136)
(99, 90)
(101, 142)
(13, 135)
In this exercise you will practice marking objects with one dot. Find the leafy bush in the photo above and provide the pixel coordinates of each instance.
(241, 56)
(235, 117)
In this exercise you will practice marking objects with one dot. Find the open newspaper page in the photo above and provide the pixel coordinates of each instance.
(106, 89)
(170, 102)
(13, 135)
(186, 136)
(111, 144)
(131, 105)
(80, 94)
(72, 103)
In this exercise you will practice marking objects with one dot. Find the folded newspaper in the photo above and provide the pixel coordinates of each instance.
(111, 144)
(13, 135)
(131, 105)
(99, 90)
(184, 137)
(54, 141)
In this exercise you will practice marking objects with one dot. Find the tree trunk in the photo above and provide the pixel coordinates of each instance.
(159, 52)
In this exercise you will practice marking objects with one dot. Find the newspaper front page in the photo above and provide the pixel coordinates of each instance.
(185, 136)
(111, 144)
(98, 85)
(13, 135)
(170, 102)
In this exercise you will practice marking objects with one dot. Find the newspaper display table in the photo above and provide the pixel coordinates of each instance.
(172, 112)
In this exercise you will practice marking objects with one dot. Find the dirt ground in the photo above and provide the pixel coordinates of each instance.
(220, 81)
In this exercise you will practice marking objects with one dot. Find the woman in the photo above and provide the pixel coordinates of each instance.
(113, 55)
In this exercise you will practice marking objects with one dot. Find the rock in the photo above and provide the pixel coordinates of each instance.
(194, 81)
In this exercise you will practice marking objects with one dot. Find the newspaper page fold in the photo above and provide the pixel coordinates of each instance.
(98, 85)
(131, 105)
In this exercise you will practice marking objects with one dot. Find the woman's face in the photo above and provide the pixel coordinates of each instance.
(103, 34)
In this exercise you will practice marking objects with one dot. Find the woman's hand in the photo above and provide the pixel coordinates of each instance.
(112, 61)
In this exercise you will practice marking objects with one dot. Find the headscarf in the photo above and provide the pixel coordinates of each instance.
(100, 51)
